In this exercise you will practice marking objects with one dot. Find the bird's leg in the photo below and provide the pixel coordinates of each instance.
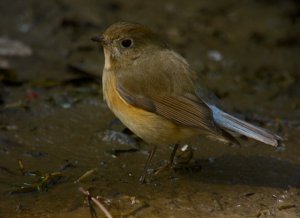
(148, 161)
(172, 156)
(183, 160)
(171, 161)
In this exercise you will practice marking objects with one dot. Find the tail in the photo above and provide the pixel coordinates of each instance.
(235, 125)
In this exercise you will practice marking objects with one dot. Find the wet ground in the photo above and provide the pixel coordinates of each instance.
(54, 125)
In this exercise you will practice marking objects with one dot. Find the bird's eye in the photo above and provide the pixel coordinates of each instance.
(126, 43)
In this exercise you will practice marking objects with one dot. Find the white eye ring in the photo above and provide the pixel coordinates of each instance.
(126, 43)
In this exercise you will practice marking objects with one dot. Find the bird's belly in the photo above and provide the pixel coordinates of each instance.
(150, 127)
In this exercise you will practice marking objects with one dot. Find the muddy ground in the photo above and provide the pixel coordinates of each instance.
(54, 122)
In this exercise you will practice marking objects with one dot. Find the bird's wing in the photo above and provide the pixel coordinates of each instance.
(166, 89)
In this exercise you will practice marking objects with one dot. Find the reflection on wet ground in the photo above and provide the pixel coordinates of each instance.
(57, 135)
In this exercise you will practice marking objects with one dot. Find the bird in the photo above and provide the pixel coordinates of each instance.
(154, 92)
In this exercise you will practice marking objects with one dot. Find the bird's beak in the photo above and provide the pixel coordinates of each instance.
(99, 39)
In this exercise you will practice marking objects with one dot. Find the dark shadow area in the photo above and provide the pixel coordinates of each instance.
(254, 171)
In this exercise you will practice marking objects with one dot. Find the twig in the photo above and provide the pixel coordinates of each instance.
(21, 167)
(101, 206)
(86, 175)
